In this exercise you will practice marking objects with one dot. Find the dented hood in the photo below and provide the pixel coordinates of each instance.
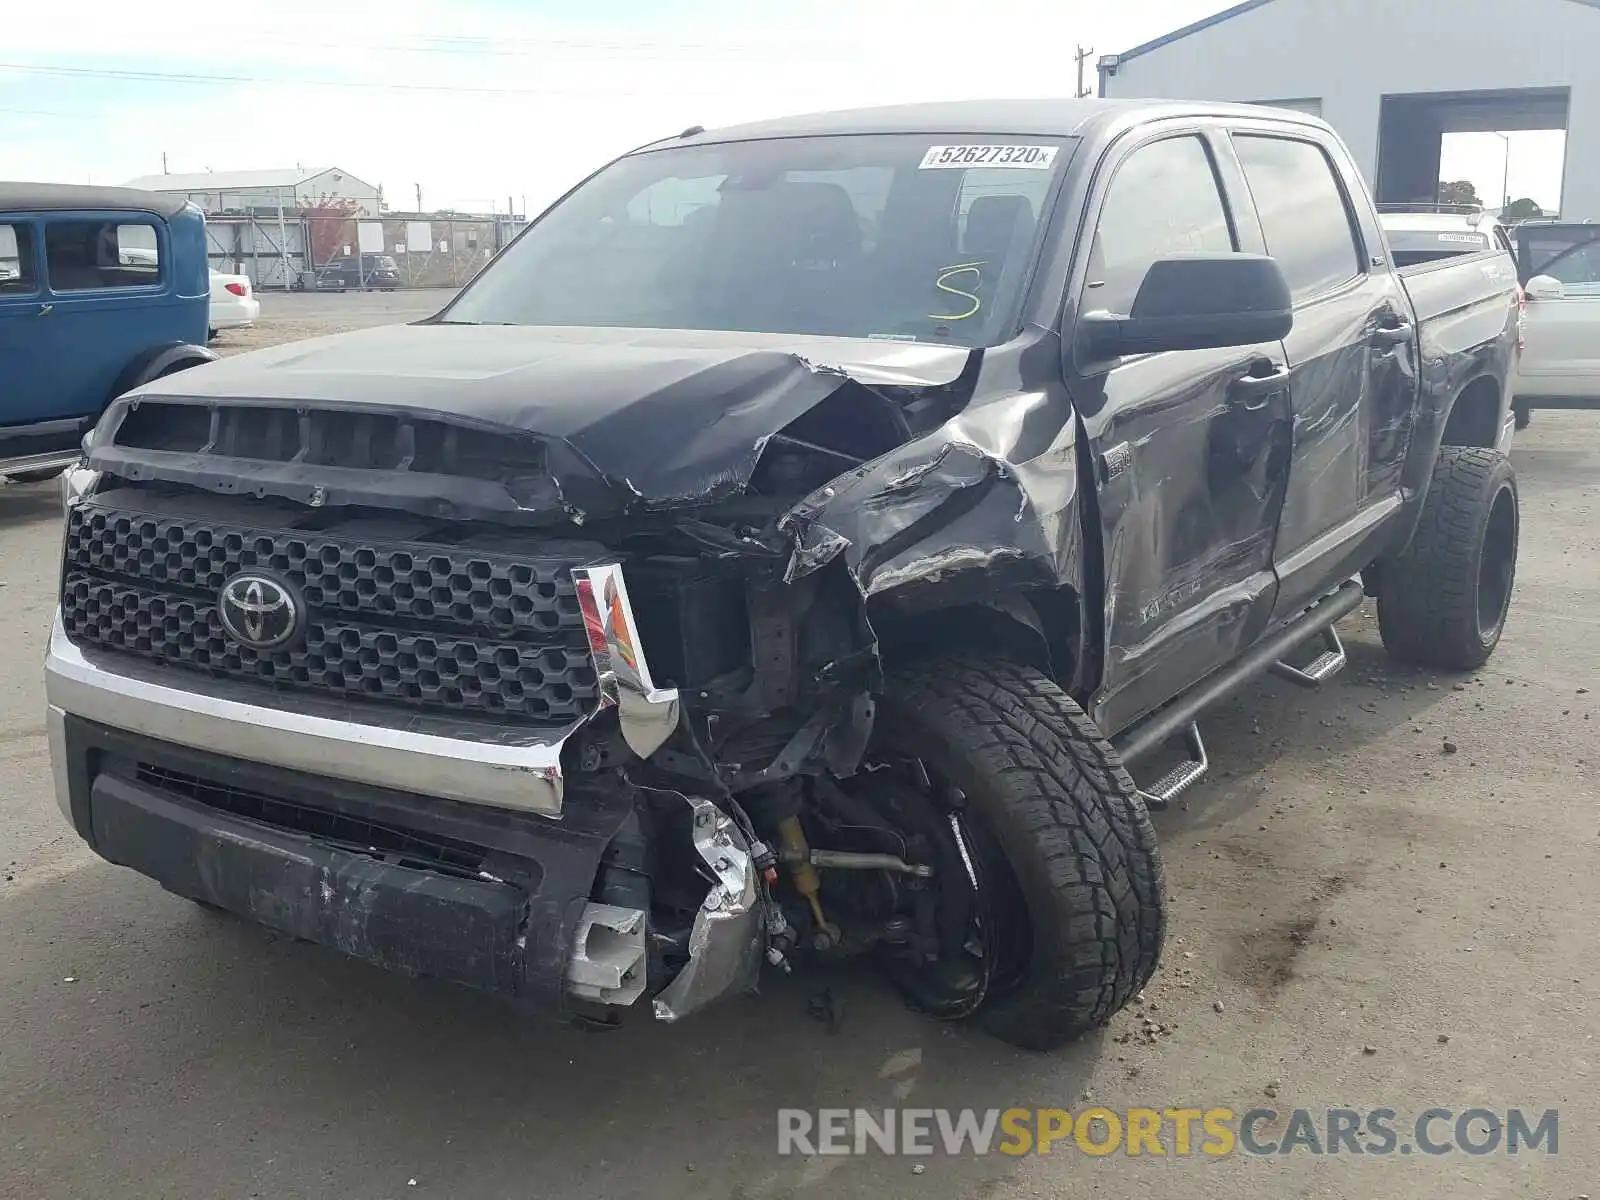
(664, 414)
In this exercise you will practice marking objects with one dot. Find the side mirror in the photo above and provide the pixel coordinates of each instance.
(1545, 287)
(1196, 302)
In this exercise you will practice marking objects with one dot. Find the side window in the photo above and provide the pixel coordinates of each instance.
(17, 270)
(1164, 201)
(1303, 212)
(1570, 256)
(83, 255)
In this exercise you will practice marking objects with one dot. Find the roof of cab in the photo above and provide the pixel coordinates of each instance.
(74, 197)
(1003, 118)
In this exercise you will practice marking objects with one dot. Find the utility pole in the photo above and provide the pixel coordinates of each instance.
(1083, 56)
(418, 186)
(163, 162)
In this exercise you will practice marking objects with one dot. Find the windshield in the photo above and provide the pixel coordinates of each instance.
(910, 237)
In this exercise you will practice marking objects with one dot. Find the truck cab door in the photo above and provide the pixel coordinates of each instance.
(1559, 266)
(1189, 447)
(1352, 352)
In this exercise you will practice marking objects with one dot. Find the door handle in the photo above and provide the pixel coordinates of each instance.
(46, 309)
(1392, 335)
(1251, 391)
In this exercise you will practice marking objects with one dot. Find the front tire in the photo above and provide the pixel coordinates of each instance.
(1053, 798)
(1443, 601)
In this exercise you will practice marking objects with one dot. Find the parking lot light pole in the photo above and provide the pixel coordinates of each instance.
(1505, 187)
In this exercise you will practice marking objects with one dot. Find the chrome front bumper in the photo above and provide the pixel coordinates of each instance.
(500, 766)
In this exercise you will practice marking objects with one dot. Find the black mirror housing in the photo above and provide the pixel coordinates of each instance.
(1197, 302)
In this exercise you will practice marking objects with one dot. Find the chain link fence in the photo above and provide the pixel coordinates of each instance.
(340, 252)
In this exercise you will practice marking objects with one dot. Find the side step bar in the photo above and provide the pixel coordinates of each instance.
(1160, 794)
(40, 462)
(1150, 732)
(1321, 668)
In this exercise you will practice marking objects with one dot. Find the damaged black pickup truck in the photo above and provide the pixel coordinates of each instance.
(780, 553)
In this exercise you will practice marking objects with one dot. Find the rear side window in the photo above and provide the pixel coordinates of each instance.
(1570, 255)
(83, 255)
(17, 270)
(1163, 201)
(1303, 212)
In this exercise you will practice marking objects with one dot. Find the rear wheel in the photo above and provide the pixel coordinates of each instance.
(1523, 415)
(1443, 601)
(1054, 835)
(35, 476)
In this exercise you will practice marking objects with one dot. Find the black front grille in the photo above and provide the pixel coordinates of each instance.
(403, 847)
(436, 627)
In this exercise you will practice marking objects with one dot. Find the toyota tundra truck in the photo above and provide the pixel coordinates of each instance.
(784, 552)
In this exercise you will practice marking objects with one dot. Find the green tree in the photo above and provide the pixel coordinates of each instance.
(1521, 210)
(1459, 191)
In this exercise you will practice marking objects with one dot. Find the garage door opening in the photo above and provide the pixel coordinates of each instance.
(1492, 148)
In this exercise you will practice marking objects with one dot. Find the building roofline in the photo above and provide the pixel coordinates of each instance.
(1238, 10)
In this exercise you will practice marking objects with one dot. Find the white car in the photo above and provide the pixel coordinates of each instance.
(233, 302)
(1441, 231)
(1560, 267)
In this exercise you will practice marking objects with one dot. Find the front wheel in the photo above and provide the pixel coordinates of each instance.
(1443, 601)
(1066, 856)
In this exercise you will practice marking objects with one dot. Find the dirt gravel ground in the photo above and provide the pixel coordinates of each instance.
(291, 316)
(1382, 923)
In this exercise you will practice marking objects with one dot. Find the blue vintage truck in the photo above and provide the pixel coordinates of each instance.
(101, 290)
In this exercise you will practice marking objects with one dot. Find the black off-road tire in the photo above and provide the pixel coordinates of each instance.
(1055, 798)
(1443, 601)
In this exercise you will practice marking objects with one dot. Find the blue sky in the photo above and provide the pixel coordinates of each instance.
(481, 100)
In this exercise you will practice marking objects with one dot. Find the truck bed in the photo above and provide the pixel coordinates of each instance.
(1461, 284)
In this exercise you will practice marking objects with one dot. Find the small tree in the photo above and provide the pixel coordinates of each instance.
(1521, 210)
(1459, 191)
(333, 227)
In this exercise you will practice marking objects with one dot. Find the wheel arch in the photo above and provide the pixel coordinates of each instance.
(1476, 415)
(158, 361)
(1041, 628)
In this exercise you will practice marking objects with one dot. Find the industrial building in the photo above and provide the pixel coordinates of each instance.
(262, 192)
(1394, 78)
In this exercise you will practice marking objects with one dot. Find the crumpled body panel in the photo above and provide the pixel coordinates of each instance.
(984, 504)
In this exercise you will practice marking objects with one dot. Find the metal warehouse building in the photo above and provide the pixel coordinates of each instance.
(264, 191)
(1394, 76)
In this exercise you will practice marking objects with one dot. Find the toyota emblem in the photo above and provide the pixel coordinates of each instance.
(259, 612)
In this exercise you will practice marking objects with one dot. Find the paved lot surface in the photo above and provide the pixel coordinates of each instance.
(1340, 884)
(290, 316)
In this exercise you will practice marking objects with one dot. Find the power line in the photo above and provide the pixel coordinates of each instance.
(44, 112)
(502, 47)
(187, 77)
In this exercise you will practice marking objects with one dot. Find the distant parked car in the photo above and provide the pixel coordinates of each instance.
(101, 290)
(1426, 233)
(369, 273)
(233, 302)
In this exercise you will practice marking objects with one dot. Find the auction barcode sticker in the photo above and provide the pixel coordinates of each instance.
(1033, 158)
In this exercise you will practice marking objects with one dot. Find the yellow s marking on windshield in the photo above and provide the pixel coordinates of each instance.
(946, 274)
